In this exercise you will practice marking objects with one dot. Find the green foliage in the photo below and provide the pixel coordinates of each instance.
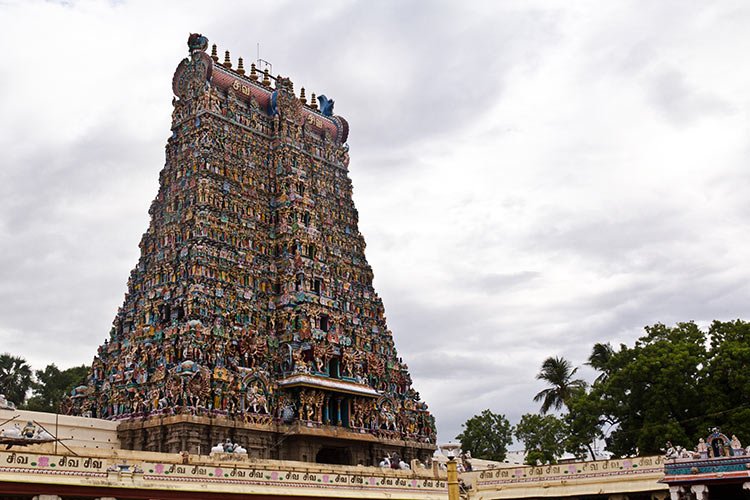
(726, 391)
(486, 435)
(558, 373)
(601, 356)
(543, 437)
(651, 391)
(583, 424)
(53, 384)
(15, 378)
(674, 384)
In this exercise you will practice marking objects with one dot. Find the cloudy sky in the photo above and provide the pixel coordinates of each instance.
(532, 177)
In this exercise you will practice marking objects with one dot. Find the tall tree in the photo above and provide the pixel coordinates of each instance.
(487, 436)
(583, 425)
(15, 378)
(543, 437)
(726, 392)
(600, 358)
(558, 373)
(53, 384)
(653, 391)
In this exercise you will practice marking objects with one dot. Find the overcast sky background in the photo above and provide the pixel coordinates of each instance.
(531, 177)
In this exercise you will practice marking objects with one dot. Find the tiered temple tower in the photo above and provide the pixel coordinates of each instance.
(251, 314)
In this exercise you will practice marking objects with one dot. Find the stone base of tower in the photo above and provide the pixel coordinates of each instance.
(304, 442)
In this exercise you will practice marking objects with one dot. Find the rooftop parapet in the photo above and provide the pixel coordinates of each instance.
(194, 72)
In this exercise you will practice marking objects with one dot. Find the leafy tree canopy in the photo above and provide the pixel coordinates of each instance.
(651, 391)
(15, 378)
(52, 384)
(675, 383)
(543, 437)
(583, 425)
(486, 435)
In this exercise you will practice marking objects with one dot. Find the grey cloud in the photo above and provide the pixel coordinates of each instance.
(679, 102)
(429, 70)
(618, 240)
(500, 282)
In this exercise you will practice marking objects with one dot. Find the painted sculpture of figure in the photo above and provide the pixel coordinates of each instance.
(388, 418)
(326, 105)
(299, 362)
(306, 405)
(228, 446)
(702, 448)
(395, 460)
(28, 430)
(736, 446)
(717, 447)
(671, 451)
(196, 41)
(13, 432)
(43, 435)
(257, 400)
(5, 404)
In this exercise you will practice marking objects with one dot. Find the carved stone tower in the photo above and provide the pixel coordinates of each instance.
(251, 313)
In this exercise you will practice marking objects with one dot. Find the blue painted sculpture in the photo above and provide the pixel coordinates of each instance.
(326, 105)
(273, 104)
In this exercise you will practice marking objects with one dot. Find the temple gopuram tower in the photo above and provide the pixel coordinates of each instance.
(251, 314)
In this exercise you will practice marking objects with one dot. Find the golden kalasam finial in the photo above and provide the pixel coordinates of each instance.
(313, 101)
(253, 72)
(302, 96)
(240, 67)
(266, 81)
(214, 54)
(227, 61)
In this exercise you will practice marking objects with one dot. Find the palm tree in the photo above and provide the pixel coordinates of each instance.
(558, 373)
(15, 378)
(601, 355)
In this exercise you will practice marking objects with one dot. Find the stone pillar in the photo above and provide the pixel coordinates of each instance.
(453, 490)
(746, 486)
(338, 411)
(659, 495)
(700, 490)
(676, 492)
(349, 411)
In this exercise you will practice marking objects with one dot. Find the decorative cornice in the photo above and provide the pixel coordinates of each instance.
(327, 383)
